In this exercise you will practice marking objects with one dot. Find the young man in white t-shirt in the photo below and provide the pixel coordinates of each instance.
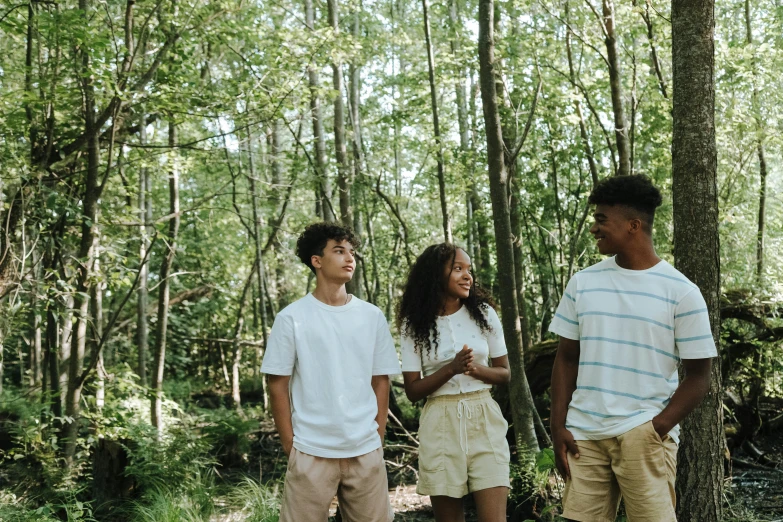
(626, 324)
(329, 358)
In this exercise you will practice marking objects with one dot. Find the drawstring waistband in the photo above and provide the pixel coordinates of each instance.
(464, 411)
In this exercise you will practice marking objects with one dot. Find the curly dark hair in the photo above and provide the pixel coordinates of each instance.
(636, 192)
(315, 236)
(423, 295)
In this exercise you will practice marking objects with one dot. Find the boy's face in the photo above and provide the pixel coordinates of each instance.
(613, 229)
(337, 263)
(459, 280)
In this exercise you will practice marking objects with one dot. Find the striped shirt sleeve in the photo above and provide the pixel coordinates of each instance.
(565, 322)
(692, 331)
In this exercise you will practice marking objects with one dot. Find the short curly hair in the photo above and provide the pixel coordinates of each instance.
(636, 192)
(315, 236)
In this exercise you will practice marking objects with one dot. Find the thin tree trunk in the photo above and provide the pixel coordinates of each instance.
(259, 269)
(436, 127)
(355, 71)
(323, 186)
(521, 399)
(165, 283)
(96, 305)
(696, 243)
(759, 152)
(340, 154)
(145, 217)
(615, 82)
(85, 256)
(653, 53)
(577, 104)
(236, 395)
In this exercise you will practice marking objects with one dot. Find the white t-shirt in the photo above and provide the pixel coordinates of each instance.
(455, 331)
(331, 354)
(633, 327)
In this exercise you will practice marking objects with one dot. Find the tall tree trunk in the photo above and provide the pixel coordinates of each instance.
(521, 398)
(696, 242)
(165, 283)
(85, 256)
(436, 127)
(236, 360)
(323, 186)
(616, 84)
(96, 326)
(340, 154)
(145, 217)
(260, 270)
(759, 151)
(355, 71)
(588, 149)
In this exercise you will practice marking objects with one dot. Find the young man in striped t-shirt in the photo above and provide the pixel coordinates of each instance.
(625, 326)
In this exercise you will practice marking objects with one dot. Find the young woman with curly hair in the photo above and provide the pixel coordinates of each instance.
(450, 333)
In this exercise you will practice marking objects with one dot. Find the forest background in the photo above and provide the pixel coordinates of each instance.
(158, 159)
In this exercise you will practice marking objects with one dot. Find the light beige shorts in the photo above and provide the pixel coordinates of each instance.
(463, 445)
(638, 466)
(360, 484)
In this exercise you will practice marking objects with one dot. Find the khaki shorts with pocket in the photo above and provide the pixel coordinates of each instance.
(638, 466)
(360, 484)
(463, 445)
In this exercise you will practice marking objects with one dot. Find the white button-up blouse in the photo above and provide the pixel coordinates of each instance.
(454, 331)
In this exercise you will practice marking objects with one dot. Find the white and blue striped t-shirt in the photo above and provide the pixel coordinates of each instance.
(633, 327)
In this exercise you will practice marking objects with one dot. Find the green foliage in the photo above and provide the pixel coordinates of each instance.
(256, 502)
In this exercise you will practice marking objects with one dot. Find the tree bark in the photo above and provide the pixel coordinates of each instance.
(355, 72)
(521, 399)
(696, 242)
(145, 217)
(340, 154)
(759, 151)
(85, 255)
(260, 269)
(436, 127)
(616, 85)
(323, 186)
(165, 283)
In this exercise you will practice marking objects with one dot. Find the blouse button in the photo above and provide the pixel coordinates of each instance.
(459, 324)
(474, 336)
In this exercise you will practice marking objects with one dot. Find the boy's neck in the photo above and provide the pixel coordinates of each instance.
(639, 257)
(331, 293)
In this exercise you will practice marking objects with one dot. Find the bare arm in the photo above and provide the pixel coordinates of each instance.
(498, 373)
(281, 410)
(381, 386)
(418, 387)
(689, 394)
(564, 374)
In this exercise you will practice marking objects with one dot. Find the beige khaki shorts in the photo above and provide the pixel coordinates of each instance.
(359, 482)
(637, 466)
(463, 445)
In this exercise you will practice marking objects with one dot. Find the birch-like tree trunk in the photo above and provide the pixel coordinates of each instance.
(145, 217)
(165, 283)
(696, 242)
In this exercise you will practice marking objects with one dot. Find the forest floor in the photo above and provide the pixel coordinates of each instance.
(753, 495)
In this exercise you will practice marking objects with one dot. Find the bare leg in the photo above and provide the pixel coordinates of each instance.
(491, 504)
(448, 509)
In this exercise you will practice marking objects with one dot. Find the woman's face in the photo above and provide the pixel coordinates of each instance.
(459, 279)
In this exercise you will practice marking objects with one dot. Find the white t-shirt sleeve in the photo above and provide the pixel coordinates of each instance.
(411, 360)
(280, 353)
(565, 323)
(495, 339)
(692, 331)
(385, 361)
